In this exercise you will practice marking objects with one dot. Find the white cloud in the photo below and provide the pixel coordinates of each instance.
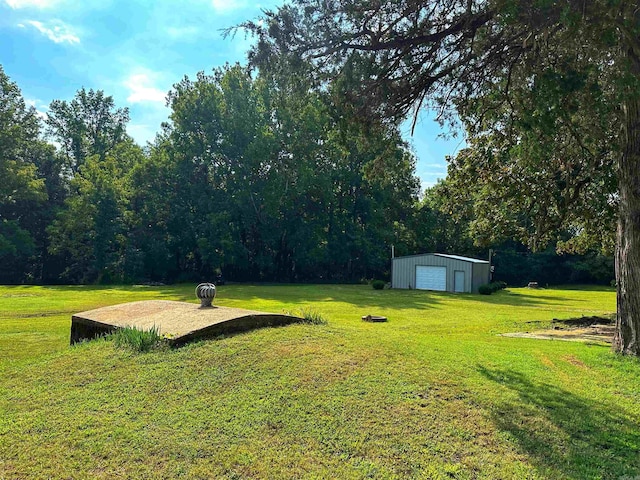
(56, 31)
(182, 32)
(16, 4)
(141, 89)
(226, 6)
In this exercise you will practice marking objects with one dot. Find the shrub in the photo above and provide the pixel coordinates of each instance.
(489, 288)
(378, 284)
(312, 317)
(137, 339)
(496, 286)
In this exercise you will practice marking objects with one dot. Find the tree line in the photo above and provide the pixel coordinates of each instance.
(255, 177)
(264, 180)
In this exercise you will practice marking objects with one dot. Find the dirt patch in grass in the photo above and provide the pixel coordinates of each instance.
(545, 360)
(575, 361)
(597, 329)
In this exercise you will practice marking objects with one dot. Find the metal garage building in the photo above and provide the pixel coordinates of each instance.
(440, 272)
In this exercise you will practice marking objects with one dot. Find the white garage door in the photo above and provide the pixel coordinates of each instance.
(431, 278)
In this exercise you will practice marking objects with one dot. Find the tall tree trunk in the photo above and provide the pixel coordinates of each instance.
(627, 334)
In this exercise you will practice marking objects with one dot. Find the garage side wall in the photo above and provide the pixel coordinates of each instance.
(480, 275)
(404, 270)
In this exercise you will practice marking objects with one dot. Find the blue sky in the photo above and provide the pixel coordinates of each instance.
(136, 50)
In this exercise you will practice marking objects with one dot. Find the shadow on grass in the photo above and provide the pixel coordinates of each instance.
(522, 299)
(566, 436)
(356, 295)
(589, 288)
(179, 292)
(291, 295)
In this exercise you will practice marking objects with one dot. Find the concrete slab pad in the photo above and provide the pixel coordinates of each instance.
(180, 321)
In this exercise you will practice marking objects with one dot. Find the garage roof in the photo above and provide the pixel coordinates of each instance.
(453, 257)
(458, 257)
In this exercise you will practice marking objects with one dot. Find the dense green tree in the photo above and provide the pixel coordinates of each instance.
(91, 232)
(542, 165)
(87, 216)
(549, 91)
(442, 223)
(51, 167)
(280, 183)
(36, 214)
(89, 124)
(517, 265)
(211, 132)
(376, 195)
(156, 220)
(21, 188)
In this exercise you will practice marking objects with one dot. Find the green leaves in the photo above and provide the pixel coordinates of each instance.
(87, 125)
(291, 185)
(22, 188)
(92, 231)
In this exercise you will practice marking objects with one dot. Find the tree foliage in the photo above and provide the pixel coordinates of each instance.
(89, 124)
(537, 85)
(91, 232)
(396, 51)
(281, 184)
(21, 187)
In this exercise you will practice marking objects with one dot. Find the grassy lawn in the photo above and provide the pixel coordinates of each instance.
(433, 393)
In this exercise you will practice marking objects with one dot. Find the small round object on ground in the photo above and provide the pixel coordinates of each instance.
(206, 292)
(374, 318)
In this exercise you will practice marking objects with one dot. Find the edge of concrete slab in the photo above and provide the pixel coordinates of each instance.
(84, 329)
(235, 325)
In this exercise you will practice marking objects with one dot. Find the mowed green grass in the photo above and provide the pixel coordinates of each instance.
(433, 393)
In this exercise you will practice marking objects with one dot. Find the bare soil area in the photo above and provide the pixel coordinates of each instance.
(598, 329)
